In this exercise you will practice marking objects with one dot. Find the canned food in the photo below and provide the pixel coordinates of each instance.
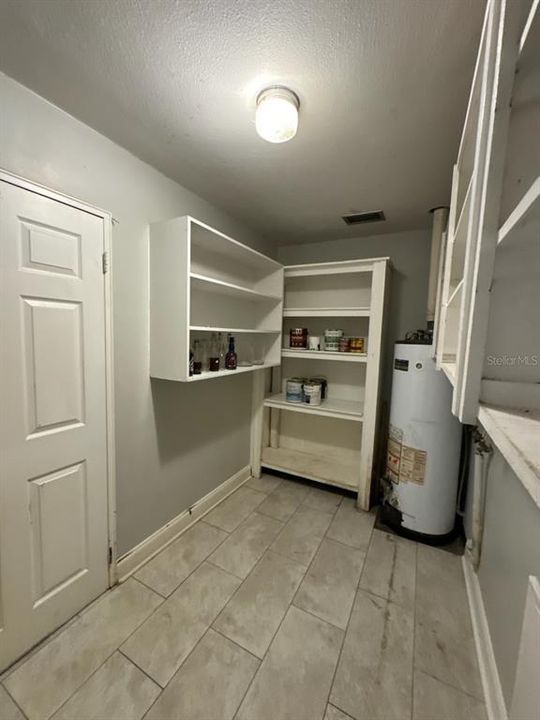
(298, 337)
(294, 390)
(312, 393)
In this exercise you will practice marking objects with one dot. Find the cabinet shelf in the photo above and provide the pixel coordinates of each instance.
(221, 287)
(524, 220)
(233, 331)
(327, 312)
(324, 355)
(319, 468)
(340, 409)
(207, 375)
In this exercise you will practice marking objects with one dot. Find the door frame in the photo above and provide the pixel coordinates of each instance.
(106, 216)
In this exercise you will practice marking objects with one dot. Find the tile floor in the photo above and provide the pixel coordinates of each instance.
(283, 602)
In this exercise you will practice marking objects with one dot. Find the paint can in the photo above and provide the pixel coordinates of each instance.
(323, 382)
(312, 393)
(294, 390)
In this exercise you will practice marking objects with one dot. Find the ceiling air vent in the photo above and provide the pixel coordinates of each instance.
(364, 217)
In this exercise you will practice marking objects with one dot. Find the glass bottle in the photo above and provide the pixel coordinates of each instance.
(222, 351)
(197, 357)
(191, 363)
(213, 360)
(230, 358)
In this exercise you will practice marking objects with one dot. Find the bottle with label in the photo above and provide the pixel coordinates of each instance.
(231, 360)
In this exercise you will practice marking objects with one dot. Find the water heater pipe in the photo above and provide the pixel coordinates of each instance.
(440, 219)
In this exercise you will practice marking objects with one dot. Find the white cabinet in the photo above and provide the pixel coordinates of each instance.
(332, 443)
(203, 282)
(488, 339)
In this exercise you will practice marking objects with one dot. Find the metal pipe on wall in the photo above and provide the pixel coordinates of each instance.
(440, 220)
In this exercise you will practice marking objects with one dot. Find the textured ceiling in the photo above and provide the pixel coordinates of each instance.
(383, 86)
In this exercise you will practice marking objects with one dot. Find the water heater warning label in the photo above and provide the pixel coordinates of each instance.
(404, 463)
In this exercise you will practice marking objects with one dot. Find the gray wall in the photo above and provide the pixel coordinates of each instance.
(174, 442)
(510, 553)
(409, 253)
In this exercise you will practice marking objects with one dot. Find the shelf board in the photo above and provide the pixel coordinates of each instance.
(233, 331)
(449, 369)
(342, 267)
(319, 468)
(209, 284)
(524, 220)
(207, 375)
(327, 312)
(516, 433)
(324, 355)
(455, 292)
(339, 409)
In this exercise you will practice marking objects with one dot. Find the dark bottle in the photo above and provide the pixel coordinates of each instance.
(197, 358)
(230, 358)
(190, 362)
(213, 360)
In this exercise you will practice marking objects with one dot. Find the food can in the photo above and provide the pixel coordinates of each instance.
(323, 383)
(358, 345)
(298, 337)
(294, 390)
(312, 393)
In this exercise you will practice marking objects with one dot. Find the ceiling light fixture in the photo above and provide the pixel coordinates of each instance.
(276, 118)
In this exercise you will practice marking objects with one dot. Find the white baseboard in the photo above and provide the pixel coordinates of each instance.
(493, 695)
(141, 553)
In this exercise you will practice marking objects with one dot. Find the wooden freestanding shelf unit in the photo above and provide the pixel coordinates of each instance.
(332, 443)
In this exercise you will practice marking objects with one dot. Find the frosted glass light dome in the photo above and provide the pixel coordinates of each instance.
(276, 118)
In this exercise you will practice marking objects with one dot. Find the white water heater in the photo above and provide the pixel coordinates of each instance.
(423, 446)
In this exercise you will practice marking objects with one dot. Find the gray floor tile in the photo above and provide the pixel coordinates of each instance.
(434, 700)
(302, 535)
(374, 676)
(323, 500)
(334, 713)
(390, 568)
(117, 690)
(233, 510)
(329, 587)
(239, 553)
(165, 640)
(265, 484)
(65, 663)
(283, 502)
(351, 526)
(171, 566)
(295, 676)
(210, 685)
(254, 613)
(444, 642)
(8, 709)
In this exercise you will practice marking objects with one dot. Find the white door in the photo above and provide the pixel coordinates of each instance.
(53, 433)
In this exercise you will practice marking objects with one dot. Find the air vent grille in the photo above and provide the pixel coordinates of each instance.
(364, 217)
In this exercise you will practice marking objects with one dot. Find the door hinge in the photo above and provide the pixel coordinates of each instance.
(110, 556)
(105, 262)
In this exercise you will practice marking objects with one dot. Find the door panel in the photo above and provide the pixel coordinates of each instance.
(53, 433)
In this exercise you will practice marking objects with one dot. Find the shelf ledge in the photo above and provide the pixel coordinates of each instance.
(209, 284)
(324, 355)
(339, 409)
(233, 331)
(525, 218)
(327, 312)
(515, 434)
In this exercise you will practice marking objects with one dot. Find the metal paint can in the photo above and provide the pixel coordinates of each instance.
(294, 390)
(312, 393)
(323, 382)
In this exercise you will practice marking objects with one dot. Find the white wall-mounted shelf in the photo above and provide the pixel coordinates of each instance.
(339, 409)
(324, 355)
(332, 443)
(209, 284)
(203, 281)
